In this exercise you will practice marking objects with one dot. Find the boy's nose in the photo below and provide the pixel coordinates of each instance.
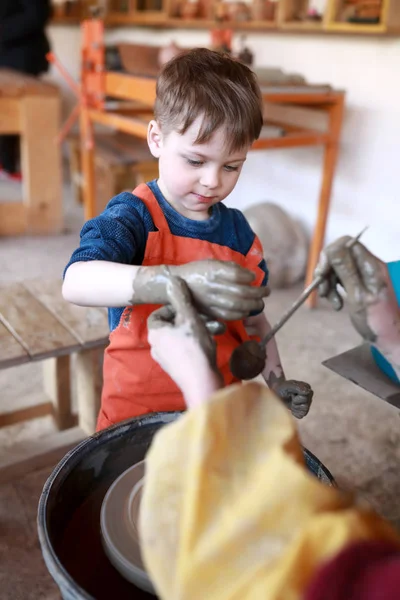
(210, 178)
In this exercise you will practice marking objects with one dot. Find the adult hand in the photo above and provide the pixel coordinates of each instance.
(374, 310)
(182, 346)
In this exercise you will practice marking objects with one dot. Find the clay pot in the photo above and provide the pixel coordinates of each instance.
(269, 10)
(189, 9)
(220, 11)
(238, 11)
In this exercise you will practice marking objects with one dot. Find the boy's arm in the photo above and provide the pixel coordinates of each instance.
(102, 272)
(99, 283)
(220, 289)
(297, 395)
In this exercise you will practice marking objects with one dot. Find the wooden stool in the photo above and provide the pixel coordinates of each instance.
(121, 163)
(31, 109)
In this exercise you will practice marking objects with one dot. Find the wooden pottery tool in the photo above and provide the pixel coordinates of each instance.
(248, 359)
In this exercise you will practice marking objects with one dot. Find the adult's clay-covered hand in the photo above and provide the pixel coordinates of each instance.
(374, 311)
(182, 345)
(297, 395)
(219, 289)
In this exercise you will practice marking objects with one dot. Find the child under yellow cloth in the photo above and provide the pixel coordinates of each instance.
(229, 510)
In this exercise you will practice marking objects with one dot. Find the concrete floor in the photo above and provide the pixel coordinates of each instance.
(355, 434)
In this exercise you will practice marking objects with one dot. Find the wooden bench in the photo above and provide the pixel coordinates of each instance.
(121, 163)
(37, 324)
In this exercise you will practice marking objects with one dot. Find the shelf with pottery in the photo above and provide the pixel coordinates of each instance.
(320, 16)
(341, 16)
(366, 17)
(196, 14)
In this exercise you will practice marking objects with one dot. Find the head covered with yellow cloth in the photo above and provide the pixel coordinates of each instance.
(229, 511)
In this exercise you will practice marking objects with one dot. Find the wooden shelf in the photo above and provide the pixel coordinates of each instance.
(136, 19)
(199, 23)
(359, 28)
(303, 26)
(255, 25)
(286, 19)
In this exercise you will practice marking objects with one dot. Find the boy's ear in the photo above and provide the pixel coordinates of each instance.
(154, 138)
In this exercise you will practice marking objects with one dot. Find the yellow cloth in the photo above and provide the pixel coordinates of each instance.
(229, 511)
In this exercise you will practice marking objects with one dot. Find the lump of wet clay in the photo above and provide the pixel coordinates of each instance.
(284, 240)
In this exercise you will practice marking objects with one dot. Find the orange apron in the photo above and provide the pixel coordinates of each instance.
(134, 384)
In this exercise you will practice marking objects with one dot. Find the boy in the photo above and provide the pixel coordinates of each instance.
(208, 112)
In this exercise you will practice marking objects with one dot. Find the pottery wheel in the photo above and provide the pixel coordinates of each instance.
(119, 526)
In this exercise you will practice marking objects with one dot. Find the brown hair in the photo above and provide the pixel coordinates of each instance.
(202, 82)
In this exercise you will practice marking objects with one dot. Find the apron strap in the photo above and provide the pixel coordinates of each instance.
(143, 192)
(255, 255)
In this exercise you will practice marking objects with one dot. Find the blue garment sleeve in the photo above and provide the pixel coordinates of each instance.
(383, 364)
(118, 234)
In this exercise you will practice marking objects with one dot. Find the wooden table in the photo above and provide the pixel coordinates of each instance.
(31, 109)
(134, 121)
(37, 324)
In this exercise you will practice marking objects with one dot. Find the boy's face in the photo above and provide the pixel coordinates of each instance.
(193, 177)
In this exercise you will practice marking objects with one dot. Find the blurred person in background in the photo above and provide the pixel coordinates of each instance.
(23, 48)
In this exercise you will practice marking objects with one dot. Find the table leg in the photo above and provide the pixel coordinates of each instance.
(89, 383)
(41, 163)
(56, 374)
(330, 160)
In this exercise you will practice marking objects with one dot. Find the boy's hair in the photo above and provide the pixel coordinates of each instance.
(202, 82)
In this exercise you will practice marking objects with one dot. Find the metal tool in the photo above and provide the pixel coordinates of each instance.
(248, 359)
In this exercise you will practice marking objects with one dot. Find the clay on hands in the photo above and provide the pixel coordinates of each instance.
(374, 311)
(297, 395)
(219, 289)
(182, 345)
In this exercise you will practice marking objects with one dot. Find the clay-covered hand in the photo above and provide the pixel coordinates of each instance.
(374, 311)
(297, 395)
(219, 289)
(222, 289)
(182, 345)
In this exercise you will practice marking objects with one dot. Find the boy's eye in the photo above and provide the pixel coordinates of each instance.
(194, 163)
(229, 168)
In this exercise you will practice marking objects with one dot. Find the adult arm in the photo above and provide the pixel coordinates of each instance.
(374, 310)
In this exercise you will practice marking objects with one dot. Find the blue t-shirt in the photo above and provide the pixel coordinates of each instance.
(119, 233)
(383, 364)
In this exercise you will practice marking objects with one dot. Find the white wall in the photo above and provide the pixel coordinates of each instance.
(367, 183)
